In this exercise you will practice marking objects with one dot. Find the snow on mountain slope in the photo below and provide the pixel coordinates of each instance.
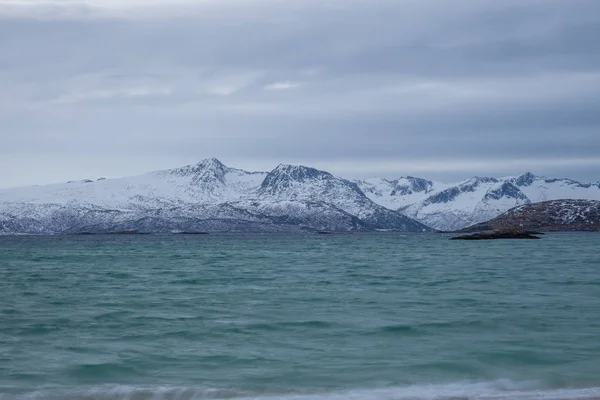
(289, 182)
(467, 203)
(205, 196)
(206, 182)
(398, 193)
(539, 188)
(453, 207)
(300, 183)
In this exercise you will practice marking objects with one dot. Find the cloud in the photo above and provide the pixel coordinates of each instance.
(282, 85)
(230, 83)
(397, 84)
(112, 94)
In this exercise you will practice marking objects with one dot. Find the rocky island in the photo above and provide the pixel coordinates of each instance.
(499, 234)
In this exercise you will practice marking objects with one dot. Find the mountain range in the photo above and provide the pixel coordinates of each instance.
(450, 207)
(210, 196)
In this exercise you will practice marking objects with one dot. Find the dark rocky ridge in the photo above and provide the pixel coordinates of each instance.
(452, 193)
(499, 234)
(416, 185)
(507, 190)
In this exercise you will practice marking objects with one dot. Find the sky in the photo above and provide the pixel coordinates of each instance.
(361, 88)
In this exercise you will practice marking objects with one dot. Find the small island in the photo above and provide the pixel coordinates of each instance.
(190, 233)
(500, 234)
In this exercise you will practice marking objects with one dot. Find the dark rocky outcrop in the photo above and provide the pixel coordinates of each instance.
(191, 233)
(414, 185)
(502, 234)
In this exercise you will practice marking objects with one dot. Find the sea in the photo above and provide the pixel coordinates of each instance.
(381, 316)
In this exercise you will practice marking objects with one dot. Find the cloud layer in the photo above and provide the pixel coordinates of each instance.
(381, 87)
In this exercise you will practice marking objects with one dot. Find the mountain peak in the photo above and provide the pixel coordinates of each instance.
(419, 184)
(210, 170)
(213, 163)
(506, 190)
(526, 179)
(472, 184)
(302, 180)
(408, 185)
(298, 172)
(480, 179)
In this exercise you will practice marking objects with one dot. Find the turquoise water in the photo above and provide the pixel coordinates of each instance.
(364, 316)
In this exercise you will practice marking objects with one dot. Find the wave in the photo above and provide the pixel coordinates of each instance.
(499, 390)
(290, 324)
(425, 328)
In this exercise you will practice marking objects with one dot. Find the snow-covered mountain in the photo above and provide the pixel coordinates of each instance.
(456, 206)
(208, 196)
(399, 193)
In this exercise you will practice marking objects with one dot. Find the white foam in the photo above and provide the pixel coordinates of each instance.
(499, 390)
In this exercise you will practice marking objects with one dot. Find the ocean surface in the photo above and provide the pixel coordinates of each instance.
(299, 317)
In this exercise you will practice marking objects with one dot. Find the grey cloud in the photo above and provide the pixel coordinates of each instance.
(373, 82)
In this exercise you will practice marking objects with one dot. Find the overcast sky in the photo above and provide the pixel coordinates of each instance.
(434, 88)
